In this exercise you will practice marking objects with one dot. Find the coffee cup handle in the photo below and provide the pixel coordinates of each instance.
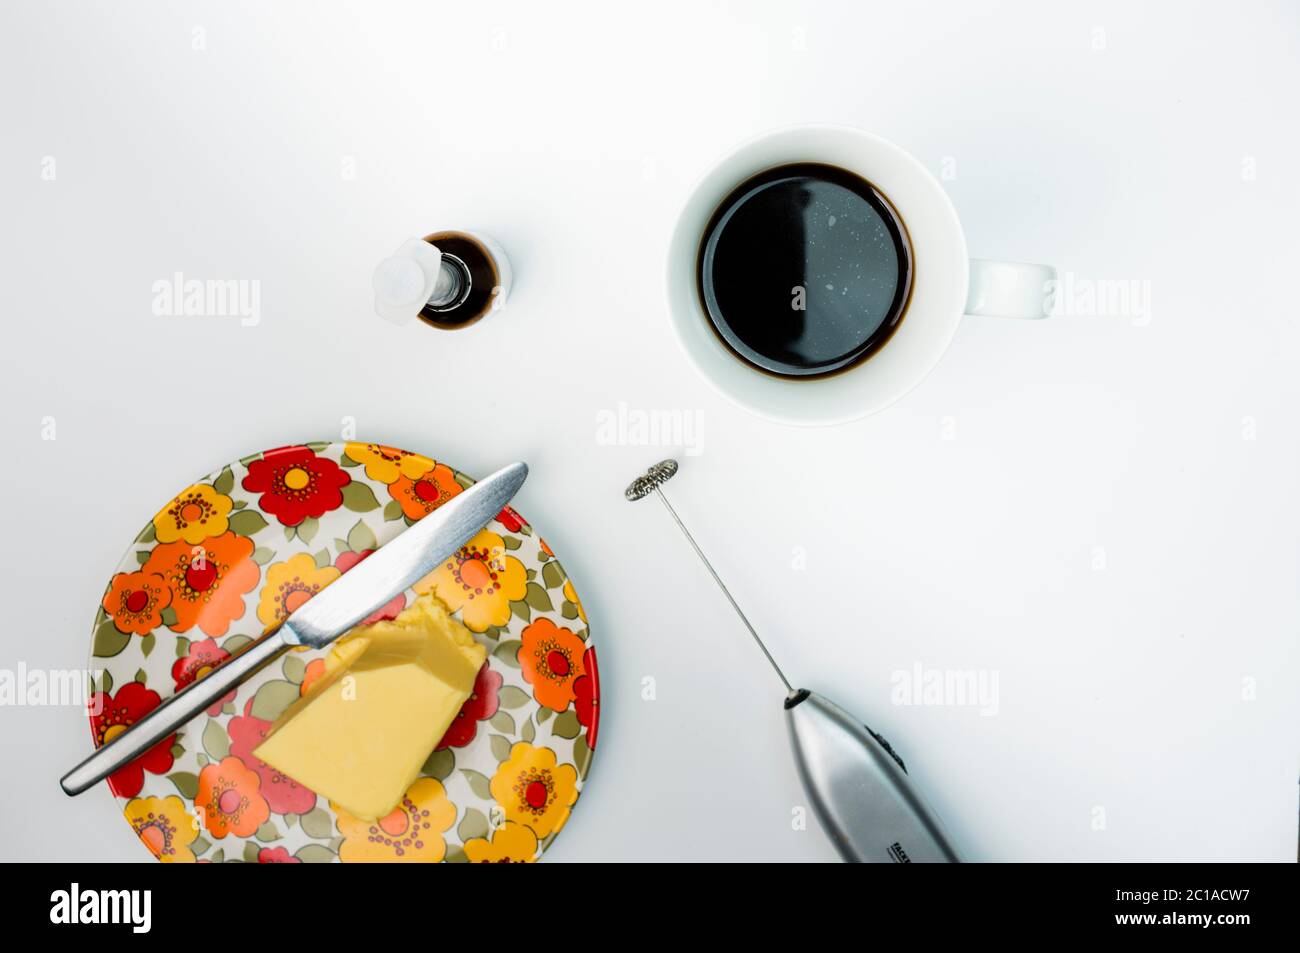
(1009, 289)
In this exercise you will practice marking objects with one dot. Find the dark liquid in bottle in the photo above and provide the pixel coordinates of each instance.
(805, 270)
(480, 279)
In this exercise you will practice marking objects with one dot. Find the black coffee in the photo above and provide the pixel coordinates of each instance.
(805, 270)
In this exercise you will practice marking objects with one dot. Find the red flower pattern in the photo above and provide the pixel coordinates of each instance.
(117, 713)
(201, 658)
(282, 793)
(276, 855)
(510, 519)
(481, 705)
(296, 484)
(586, 697)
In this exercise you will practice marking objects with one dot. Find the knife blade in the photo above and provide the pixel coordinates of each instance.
(391, 570)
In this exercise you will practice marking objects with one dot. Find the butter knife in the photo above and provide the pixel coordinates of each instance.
(319, 621)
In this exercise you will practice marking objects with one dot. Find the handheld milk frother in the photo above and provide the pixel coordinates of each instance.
(858, 786)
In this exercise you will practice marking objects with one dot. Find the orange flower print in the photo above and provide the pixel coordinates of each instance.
(164, 826)
(551, 661)
(421, 496)
(196, 514)
(136, 600)
(412, 833)
(314, 670)
(480, 581)
(511, 843)
(289, 584)
(207, 581)
(532, 789)
(230, 799)
(386, 464)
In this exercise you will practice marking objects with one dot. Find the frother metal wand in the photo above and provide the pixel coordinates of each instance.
(858, 786)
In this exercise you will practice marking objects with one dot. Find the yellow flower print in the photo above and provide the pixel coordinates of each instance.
(572, 595)
(511, 843)
(197, 514)
(386, 464)
(164, 826)
(480, 581)
(533, 790)
(289, 584)
(411, 834)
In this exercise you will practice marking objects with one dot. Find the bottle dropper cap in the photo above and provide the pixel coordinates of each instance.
(411, 278)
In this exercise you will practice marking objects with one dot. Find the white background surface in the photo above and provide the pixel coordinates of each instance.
(957, 530)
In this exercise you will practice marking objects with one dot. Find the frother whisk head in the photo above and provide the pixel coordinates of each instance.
(655, 477)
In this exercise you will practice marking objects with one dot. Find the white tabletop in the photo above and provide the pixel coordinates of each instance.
(1100, 512)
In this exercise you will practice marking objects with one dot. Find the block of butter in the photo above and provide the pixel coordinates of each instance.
(343, 653)
(362, 733)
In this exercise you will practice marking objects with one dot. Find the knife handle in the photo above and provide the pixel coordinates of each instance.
(173, 713)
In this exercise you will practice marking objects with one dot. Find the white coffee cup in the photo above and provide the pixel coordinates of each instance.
(946, 283)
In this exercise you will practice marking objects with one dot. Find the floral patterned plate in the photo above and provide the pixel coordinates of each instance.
(238, 552)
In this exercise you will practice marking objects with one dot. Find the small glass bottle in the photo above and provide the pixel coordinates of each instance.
(449, 280)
